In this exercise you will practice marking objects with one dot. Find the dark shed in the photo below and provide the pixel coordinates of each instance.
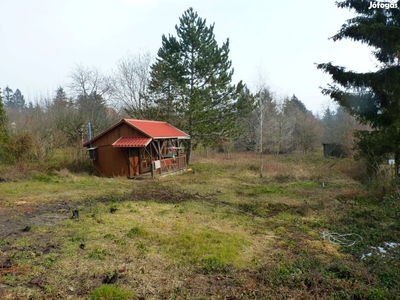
(334, 150)
(132, 147)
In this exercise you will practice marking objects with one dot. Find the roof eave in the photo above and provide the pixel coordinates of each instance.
(171, 137)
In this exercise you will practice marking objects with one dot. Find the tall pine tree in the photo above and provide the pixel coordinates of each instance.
(191, 80)
(18, 100)
(372, 97)
(3, 128)
(3, 116)
(8, 96)
(61, 100)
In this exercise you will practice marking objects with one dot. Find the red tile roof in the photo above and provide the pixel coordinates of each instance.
(132, 141)
(157, 129)
(151, 129)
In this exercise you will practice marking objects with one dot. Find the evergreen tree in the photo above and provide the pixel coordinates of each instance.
(3, 128)
(372, 97)
(329, 122)
(14, 99)
(299, 105)
(191, 78)
(302, 125)
(8, 96)
(18, 100)
(246, 106)
(3, 115)
(61, 100)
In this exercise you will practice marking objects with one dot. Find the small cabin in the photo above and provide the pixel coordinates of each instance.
(134, 147)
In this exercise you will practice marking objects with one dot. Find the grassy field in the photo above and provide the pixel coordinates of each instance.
(307, 230)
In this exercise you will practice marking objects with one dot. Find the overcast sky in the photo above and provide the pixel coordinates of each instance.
(42, 41)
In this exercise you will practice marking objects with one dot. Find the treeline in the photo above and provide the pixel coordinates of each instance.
(35, 130)
(280, 126)
(266, 123)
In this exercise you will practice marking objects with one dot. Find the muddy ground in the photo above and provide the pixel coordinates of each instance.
(17, 221)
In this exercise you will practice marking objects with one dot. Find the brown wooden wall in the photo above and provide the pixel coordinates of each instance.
(114, 134)
(112, 161)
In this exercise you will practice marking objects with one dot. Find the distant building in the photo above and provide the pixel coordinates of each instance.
(334, 150)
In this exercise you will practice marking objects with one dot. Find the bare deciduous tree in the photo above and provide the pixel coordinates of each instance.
(131, 84)
(87, 81)
(91, 91)
(258, 125)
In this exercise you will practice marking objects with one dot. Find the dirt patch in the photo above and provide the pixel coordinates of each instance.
(17, 221)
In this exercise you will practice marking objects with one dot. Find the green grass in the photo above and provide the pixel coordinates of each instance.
(72, 187)
(218, 233)
(192, 245)
(110, 292)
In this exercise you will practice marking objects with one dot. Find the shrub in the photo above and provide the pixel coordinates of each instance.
(20, 146)
(80, 165)
(41, 178)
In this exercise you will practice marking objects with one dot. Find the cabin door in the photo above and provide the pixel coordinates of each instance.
(133, 156)
(145, 160)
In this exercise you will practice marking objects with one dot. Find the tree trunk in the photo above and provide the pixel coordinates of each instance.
(189, 152)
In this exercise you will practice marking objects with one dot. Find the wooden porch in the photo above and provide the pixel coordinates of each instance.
(168, 165)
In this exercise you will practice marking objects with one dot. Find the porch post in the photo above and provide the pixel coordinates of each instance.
(178, 154)
(151, 161)
(159, 155)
